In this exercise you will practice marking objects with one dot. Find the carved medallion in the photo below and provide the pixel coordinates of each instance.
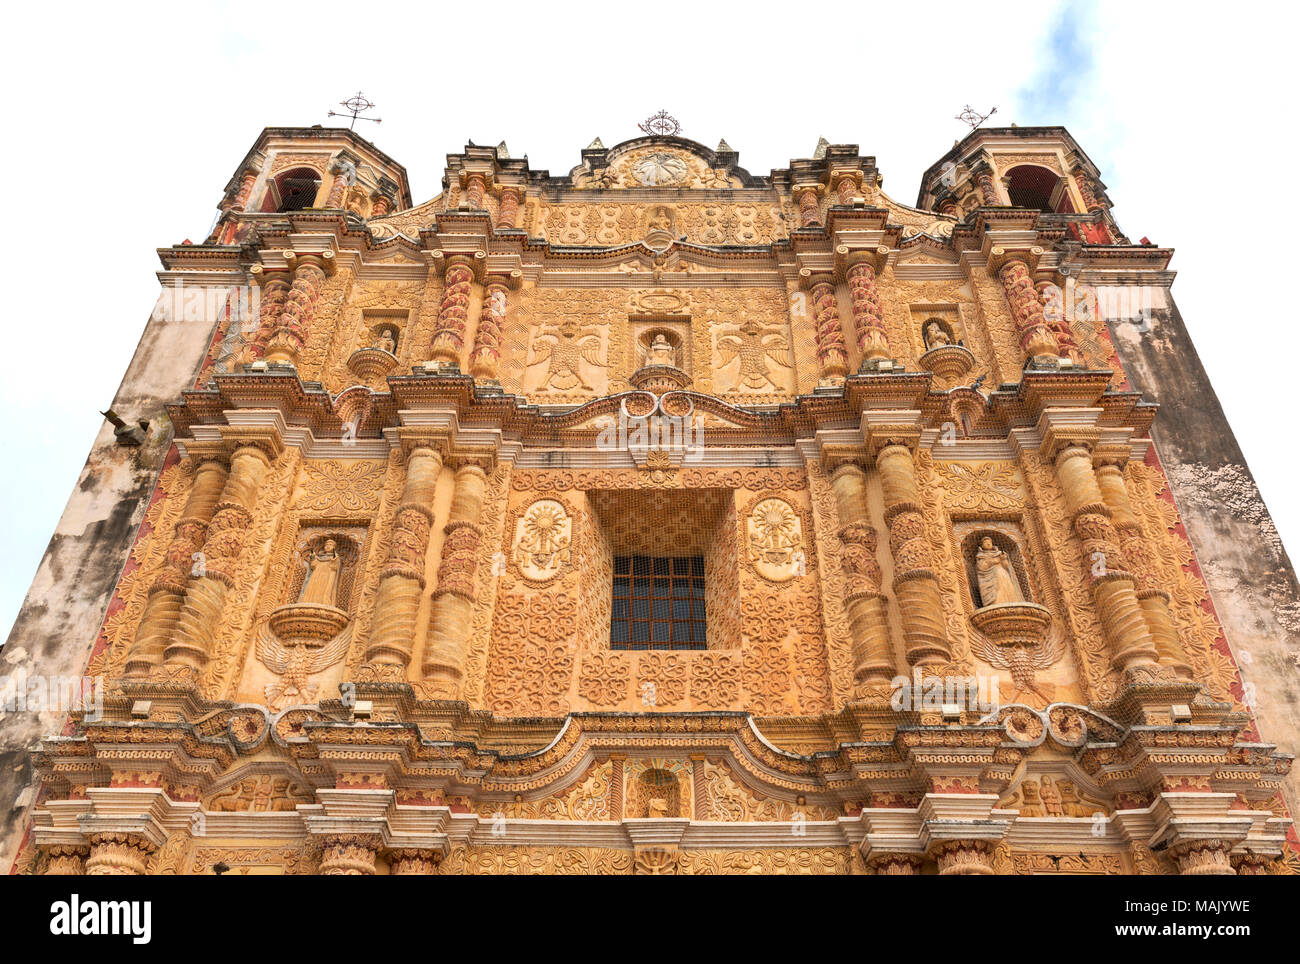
(774, 540)
(542, 540)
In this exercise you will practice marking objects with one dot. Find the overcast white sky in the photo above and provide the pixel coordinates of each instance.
(125, 123)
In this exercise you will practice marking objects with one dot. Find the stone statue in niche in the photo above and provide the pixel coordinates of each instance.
(386, 342)
(661, 351)
(935, 336)
(661, 219)
(322, 582)
(997, 577)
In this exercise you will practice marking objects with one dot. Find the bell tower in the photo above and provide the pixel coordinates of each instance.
(293, 169)
(1039, 168)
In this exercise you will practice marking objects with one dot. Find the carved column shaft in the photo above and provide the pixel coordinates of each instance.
(1036, 338)
(1112, 586)
(245, 190)
(487, 338)
(1136, 553)
(949, 207)
(988, 190)
(809, 213)
(275, 292)
(401, 580)
(832, 356)
(916, 587)
(205, 597)
(453, 599)
(381, 206)
(475, 187)
(343, 175)
(864, 603)
(449, 339)
(166, 594)
(1060, 327)
(868, 318)
(508, 209)
(294, 322)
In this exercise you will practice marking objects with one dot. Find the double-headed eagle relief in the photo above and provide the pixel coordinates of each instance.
(564, 348)
(755, 346)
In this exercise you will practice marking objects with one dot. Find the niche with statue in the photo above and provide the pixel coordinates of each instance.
(1000, 589)
(376, 357)
(944, 353)
(311, 630)
(662, 350)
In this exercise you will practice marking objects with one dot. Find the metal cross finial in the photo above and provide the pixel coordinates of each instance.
(661, 124)
(356, 105)
(969, 115)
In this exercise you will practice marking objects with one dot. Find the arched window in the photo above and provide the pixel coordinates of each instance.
(295, 190)
(1030, 186)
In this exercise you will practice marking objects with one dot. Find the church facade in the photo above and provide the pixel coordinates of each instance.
(658, 517)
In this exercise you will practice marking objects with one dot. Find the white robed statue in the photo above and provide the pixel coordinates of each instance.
(997, 578)
(321, 584)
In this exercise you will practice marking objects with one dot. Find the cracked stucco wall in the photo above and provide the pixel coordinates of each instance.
(1240, 553)
(65, 606)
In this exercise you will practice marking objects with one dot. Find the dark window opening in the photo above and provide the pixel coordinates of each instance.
(297, 189)
(1029, 186)
(658, 603)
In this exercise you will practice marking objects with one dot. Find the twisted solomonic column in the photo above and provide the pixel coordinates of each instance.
(401, 580)
(916, 587)
(1137, 558)
(832, 356)
(453, 311)
(163, 608)
(1037, 340)
(864, 603)
(453, 598)
(205, 597)
(988, 190)
(868, 317)
(1113, 591)
(293, 325)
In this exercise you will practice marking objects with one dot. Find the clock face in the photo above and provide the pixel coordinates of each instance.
(659, 169)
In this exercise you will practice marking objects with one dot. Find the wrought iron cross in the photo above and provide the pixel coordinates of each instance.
(356, 105)
(969, 115)
(661, 124)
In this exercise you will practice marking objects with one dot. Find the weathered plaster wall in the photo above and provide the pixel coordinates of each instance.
(1251, 580)
(61, 616)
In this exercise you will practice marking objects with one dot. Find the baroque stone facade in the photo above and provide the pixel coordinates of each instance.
(662, 518)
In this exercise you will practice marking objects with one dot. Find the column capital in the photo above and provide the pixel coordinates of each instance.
(849, 256)
(444, 261)
(999, 256)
